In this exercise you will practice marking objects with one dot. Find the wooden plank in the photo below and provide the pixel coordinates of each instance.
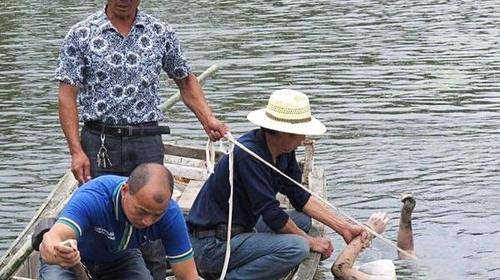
(307, 268)
(308, 160)
(191, 162)
(21, 248)
(189, 195)
(176, 195)
(192, 173)
(34, 264)
(189, 152)
(284, 202)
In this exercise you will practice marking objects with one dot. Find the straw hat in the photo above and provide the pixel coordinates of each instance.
(288, 111)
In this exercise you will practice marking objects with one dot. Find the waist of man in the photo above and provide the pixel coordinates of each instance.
(140, 129)
(219, 231)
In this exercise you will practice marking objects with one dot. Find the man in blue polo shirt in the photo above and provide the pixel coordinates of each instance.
(110, 217)
(266, 242)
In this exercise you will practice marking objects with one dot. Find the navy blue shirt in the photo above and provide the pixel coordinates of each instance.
(255, 188)
(103, 231)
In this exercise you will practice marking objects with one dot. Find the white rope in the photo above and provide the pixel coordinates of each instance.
(210, 155)
(235, 142)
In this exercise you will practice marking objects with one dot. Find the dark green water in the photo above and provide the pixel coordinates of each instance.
(408, 90)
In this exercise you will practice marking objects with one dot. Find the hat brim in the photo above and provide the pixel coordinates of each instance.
(312, 127)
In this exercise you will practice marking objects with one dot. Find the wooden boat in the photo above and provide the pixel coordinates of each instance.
(188, 166)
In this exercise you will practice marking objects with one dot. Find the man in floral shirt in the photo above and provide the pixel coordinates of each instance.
(112, 62)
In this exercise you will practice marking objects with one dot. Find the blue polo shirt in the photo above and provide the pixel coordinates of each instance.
(96, 215)
(255, 188)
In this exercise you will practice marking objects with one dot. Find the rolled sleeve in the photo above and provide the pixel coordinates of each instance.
(175, 236)
(71, 66)
(257, 182)
(174, 63)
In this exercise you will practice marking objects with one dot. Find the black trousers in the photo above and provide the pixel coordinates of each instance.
(125, 153)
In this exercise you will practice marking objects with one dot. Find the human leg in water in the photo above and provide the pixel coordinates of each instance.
(405, 233)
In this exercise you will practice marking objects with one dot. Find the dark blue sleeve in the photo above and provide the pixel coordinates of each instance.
(174, 235)
(297, 196)
(78, 213)
(256, 179)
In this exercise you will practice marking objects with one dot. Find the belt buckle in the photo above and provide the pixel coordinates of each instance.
(130, 130)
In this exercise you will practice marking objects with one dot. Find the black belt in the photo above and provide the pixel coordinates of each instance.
(219, 231)
(145, 129)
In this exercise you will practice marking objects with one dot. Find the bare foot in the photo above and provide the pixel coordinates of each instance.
(405, 233)
(378, 221)
(408, 202)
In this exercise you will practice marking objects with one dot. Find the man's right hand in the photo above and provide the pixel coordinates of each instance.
(80, 166)
(321, 245)
(53, 252)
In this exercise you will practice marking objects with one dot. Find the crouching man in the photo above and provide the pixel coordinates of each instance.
(110, 217)
(266, 242)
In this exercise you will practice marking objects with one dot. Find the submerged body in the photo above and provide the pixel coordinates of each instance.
(344, 268)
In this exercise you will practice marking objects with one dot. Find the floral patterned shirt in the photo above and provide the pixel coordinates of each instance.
(118, 77)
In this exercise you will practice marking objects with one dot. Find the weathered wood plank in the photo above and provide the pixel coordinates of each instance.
(191, 162)
(189, 195)
(21, 248)
(189, 152)
(187, 172)
(307, 268)
(284, 202)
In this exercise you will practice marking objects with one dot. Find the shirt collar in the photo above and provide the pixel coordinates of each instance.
(103, 22)
(117, 203)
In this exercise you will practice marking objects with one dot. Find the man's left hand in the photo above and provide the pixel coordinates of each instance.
(215, 129)
(352, 232)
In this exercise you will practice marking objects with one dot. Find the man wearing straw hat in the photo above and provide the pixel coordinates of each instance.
(266, 242)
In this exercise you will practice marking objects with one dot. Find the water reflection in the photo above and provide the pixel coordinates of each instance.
(407, 90)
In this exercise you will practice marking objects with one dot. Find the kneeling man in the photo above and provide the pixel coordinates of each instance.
(110, 217)
(266, 242)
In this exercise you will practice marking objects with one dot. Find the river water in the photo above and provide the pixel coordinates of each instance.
(407, 89)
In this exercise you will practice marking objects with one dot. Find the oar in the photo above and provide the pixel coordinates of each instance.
(201, 79)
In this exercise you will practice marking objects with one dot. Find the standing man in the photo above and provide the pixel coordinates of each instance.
(266, 242)
(112, 62)
(111, 216)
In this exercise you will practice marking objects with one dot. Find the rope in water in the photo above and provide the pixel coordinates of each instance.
(235, 142)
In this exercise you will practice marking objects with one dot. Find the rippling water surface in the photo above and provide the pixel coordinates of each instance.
(408, 90)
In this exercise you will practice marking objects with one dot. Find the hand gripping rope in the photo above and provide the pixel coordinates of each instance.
(229, 150)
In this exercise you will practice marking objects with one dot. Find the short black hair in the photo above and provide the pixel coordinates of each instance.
(141, 175)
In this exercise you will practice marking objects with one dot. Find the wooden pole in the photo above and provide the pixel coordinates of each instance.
(201, 79)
